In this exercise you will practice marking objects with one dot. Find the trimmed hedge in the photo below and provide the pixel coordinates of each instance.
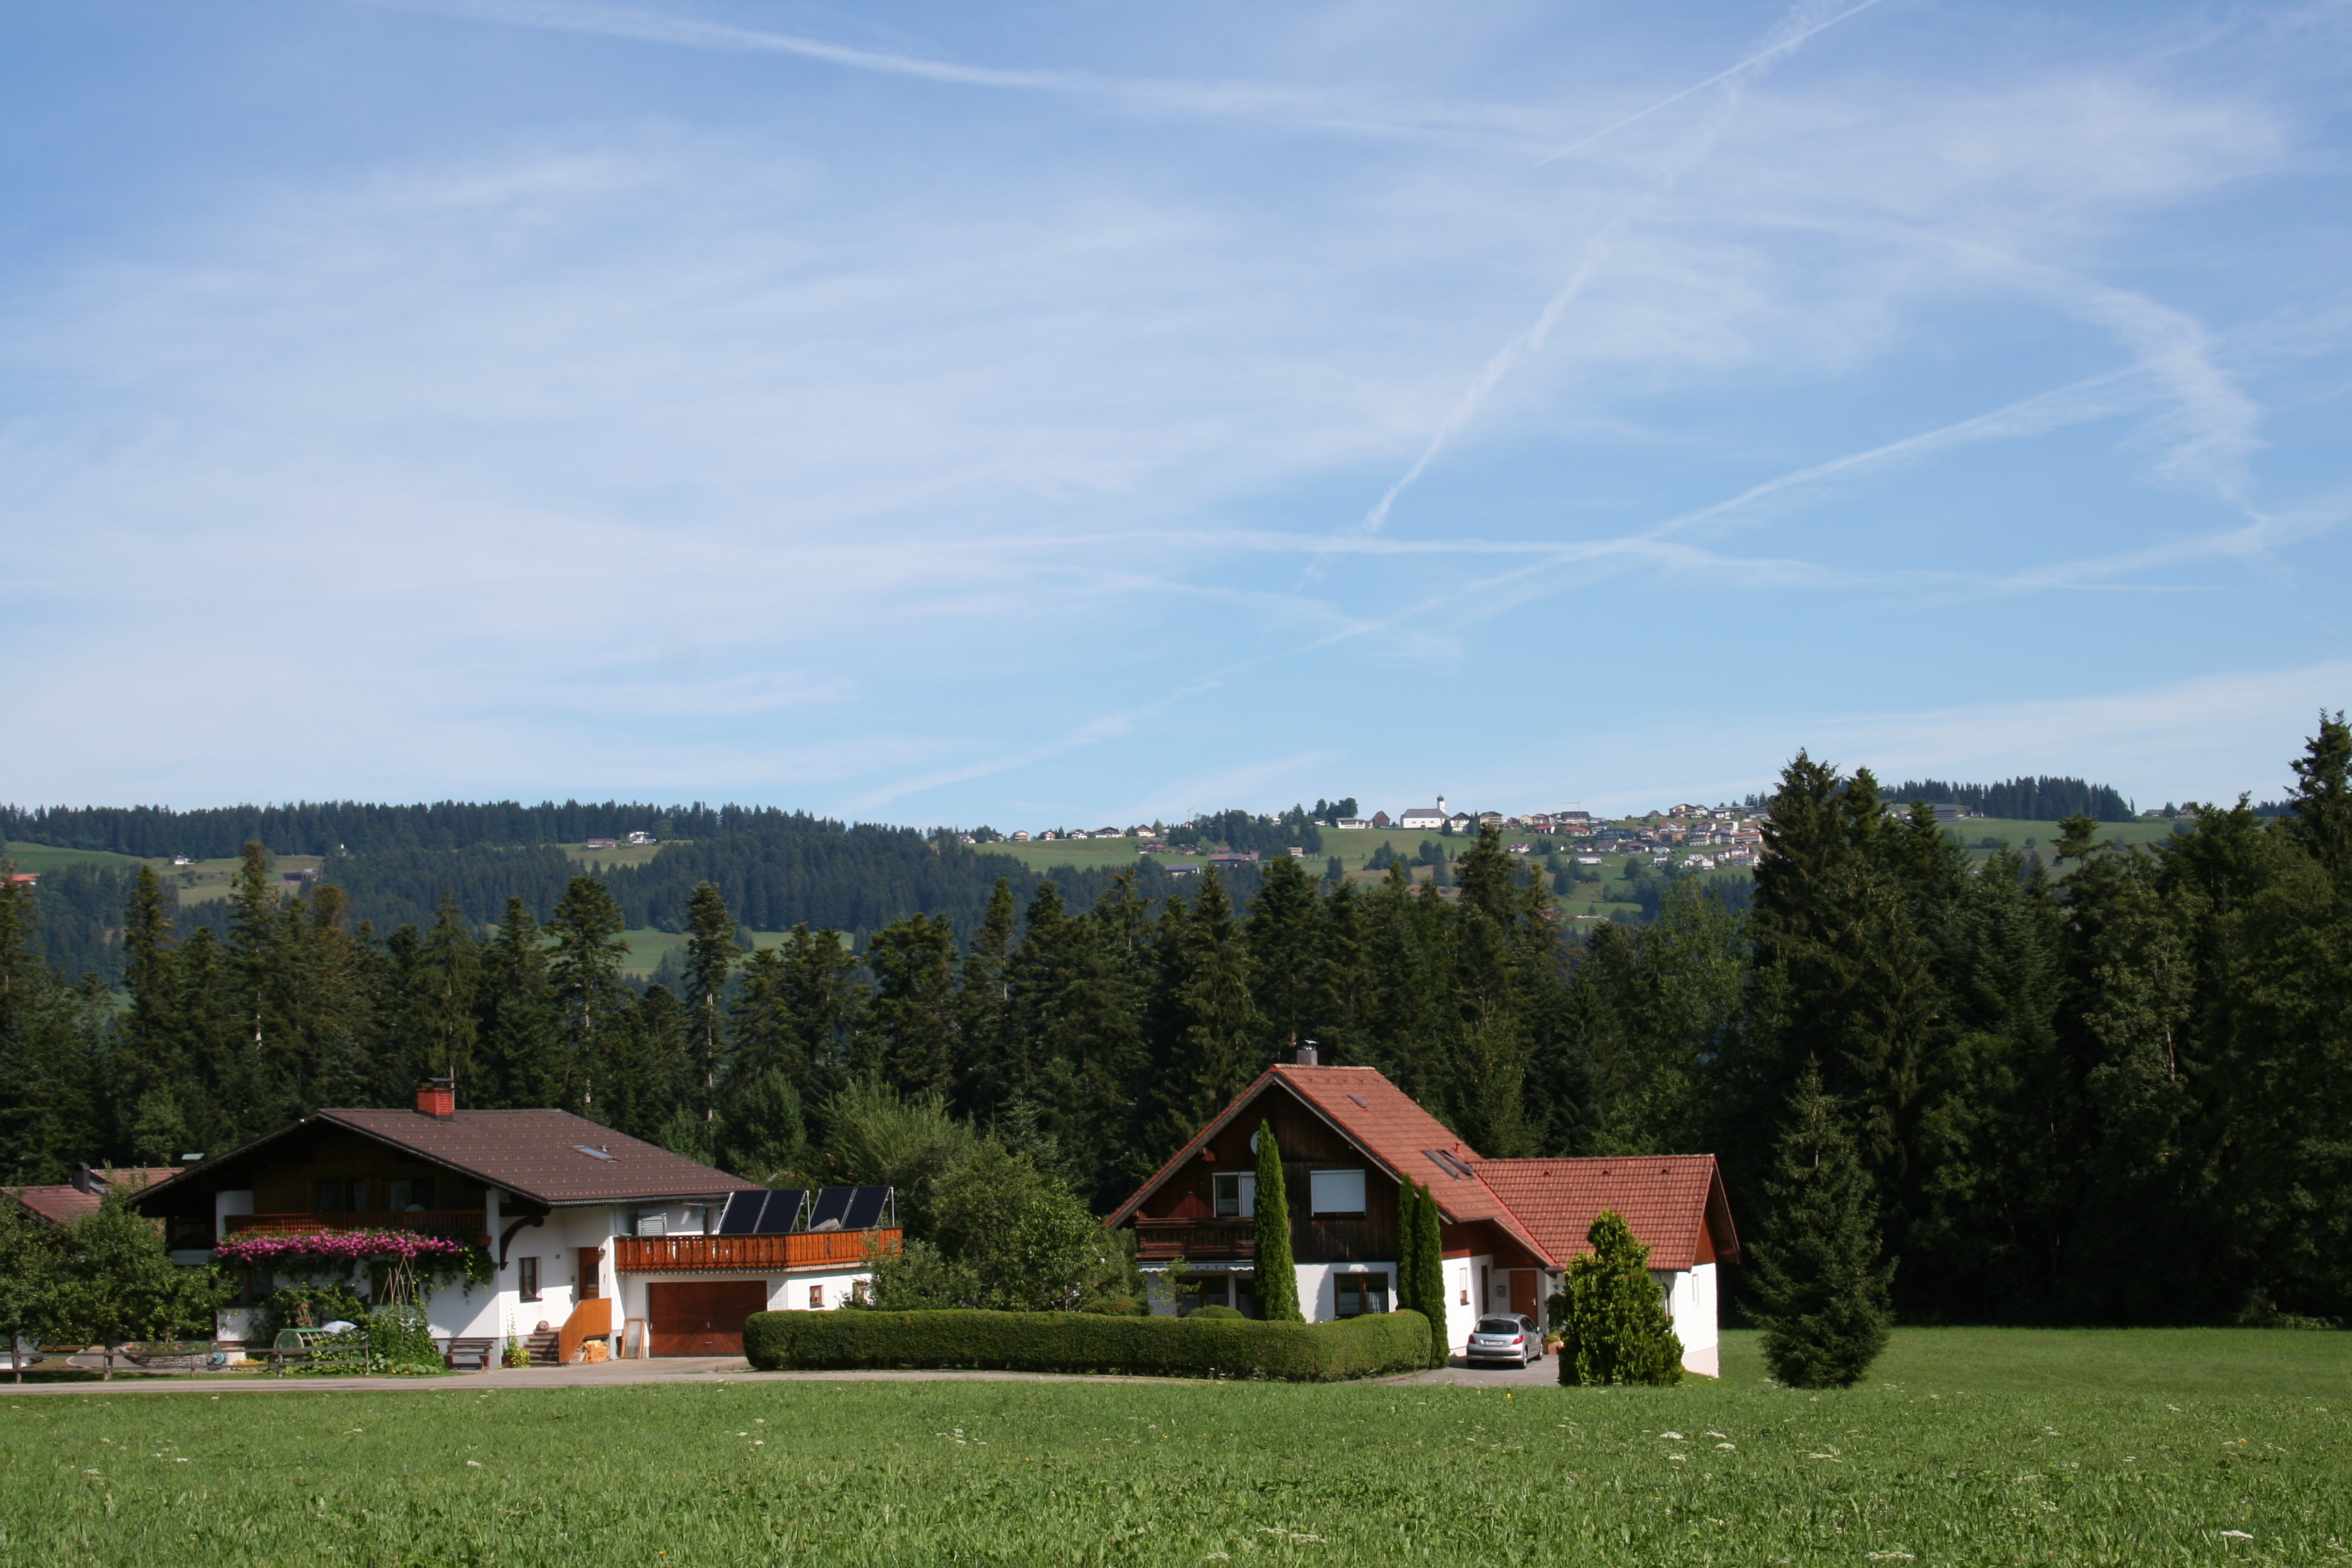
(1088, 1343)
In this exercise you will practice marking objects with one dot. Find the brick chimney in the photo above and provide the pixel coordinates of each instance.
(437, 1098)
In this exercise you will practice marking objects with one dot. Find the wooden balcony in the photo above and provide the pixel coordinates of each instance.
(1160, 1239)
(464, 1225)
(802, 1249)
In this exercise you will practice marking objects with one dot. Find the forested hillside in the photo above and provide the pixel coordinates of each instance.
(2022, 799)
(2113, 1087)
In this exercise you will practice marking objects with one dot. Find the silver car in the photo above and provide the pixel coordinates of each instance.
(1513, 1341)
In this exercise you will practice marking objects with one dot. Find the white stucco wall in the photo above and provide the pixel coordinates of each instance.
(1318, 1291)
(1461, 1305)
(1691, 1302)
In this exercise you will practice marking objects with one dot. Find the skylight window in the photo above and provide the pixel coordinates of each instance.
(593, 1154)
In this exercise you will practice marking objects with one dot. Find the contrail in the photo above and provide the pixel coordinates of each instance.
(1782, 47)
(1223, 98)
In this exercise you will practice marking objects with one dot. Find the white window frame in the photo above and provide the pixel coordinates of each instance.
(1244, 1183)
(1316, 1182)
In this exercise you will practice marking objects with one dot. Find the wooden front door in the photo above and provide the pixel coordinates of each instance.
(1523, 1293)
(702, 1317)
(591, 1273)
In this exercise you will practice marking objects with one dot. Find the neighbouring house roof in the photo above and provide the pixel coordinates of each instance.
(62, 1206)
(535, 1154)
(1667, 1201)
(1547, 1205)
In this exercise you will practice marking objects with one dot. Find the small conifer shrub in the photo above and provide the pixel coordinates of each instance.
(1819, 1276)
(1615, 1329)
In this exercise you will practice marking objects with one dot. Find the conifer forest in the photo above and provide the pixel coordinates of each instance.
(2116, 1087)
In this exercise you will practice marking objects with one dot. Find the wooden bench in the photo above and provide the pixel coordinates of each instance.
(469, 1354)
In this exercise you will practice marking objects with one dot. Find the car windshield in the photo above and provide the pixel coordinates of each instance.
(1499, 1325)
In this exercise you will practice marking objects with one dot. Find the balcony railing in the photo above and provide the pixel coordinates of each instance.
(464, 1224)
(801, 1249)
(1204, 1239)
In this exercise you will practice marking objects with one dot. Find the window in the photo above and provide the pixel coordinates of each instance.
(1236, 1195)
(1358, 1294)
(653, 1222)
(338, 1197)
(411, 1195)
(1336, 1192)
(816, 1298)
(527, 1277)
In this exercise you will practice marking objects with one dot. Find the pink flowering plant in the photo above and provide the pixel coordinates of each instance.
(401, 1258)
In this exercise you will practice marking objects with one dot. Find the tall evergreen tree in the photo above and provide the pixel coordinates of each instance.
(1819, 1274)
(519, 1027)
(1208, 1040)
(1289, 972)
(586, 971)
(1278, 1272)
(712, 952)
(1429, 1261)
(913, 1009)
(983, 997)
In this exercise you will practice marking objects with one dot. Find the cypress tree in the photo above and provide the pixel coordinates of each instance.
(1616, 1328)
(1278, 1274)
(1429, 1261)
(1407, 1292)
(1820, 1277)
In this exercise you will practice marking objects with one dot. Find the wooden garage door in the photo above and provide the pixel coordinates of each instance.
(702, 1317)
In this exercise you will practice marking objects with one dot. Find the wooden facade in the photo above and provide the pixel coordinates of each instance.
(1182, 1215)
(800, 1249)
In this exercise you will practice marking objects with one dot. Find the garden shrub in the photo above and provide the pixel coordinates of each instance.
(1117, 1307)
(1213, 1312)
(1197, 1346)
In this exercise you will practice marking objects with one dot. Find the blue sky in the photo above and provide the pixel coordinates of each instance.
(1063, 413)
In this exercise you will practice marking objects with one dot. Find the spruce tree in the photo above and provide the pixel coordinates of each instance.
(1616, 1328)
(1278, 1274)
(586, 972)
(711, 954)
(1819, 1277)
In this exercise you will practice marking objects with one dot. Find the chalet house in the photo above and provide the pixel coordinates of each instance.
(591, 1234)
(1421, 816)
(1352, 824)
(1380, 819)
(1349, 1140)
(602, 844)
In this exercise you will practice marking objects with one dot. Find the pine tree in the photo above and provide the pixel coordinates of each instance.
(1820, 1277)
(448, 974)
(1278, 1274)
(1616, 1328)
(1206, 1044)
(984, 995)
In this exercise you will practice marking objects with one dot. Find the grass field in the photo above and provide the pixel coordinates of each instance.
(27, 857)
(1969, 1447)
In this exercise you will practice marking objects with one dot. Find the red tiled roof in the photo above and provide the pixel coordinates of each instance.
(62, 1206)
(1666, 1199)
(534, 1153)
(1547, 1205)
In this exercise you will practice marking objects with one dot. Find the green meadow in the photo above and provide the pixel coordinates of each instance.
(1966, 1447)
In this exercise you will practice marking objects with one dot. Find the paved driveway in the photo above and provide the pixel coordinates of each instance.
(1544, 1373)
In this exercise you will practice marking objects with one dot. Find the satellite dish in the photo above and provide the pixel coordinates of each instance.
(1254, 1137)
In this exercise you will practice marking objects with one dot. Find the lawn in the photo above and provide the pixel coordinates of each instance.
(1969, 1447)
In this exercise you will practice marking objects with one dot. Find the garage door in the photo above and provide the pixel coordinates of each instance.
(702, 1317)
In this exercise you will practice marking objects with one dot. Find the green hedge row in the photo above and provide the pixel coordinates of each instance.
(1088, 1343)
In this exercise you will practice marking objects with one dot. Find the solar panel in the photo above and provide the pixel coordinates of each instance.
(783, 1211)
(742, 1215)
(831, 1206)
(864, 1207)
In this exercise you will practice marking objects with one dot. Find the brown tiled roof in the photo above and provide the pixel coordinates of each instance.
(1388, 1124)
(1666, 1199)
(535, 1154)
(61, 1205)
(1547, 1205)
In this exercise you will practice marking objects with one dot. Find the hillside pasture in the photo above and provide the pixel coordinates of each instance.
(1967, 1447)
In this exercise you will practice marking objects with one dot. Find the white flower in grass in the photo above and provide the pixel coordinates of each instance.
(2235, 1535)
